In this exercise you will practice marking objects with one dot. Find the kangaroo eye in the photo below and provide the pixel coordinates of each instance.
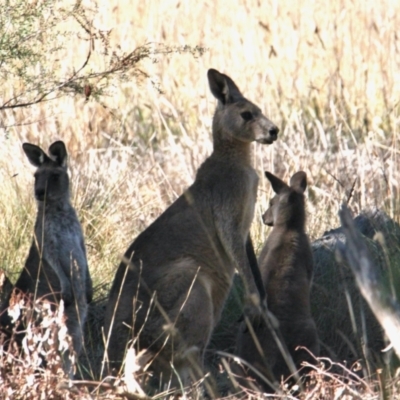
(247, 115)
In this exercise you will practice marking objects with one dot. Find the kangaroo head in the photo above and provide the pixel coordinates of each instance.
(287, 206)
(51, 176)
(236, 117)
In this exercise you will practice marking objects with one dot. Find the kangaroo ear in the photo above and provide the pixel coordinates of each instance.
(58, 153)
(298, 181)
(35, 154)
(277, 184)
(222, 87)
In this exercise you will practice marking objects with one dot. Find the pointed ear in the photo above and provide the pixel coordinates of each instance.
(298, 182)
(222, 87)
(58, 153)
(277, 184)
(35, 154)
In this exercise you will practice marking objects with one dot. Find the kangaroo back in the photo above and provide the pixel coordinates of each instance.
(186, 258)
(56, 267)
(286, 266)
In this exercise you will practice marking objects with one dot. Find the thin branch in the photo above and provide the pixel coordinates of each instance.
(350, 195)
(58, 87)
(120, 65)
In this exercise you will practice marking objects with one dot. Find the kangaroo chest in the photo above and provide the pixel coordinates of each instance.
(248, 197)
(233, 188)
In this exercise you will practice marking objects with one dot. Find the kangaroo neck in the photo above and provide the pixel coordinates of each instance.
(231, 149)
(52, 207)
(296, 224)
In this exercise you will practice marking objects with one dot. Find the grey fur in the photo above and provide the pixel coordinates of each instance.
(286, 265)
(56, 267)
(187, 257)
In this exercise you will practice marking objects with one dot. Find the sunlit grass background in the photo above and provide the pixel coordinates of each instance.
(327, 73)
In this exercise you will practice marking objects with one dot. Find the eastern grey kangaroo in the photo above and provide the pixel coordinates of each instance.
(56, 267)
(286, 266)
(172, 284)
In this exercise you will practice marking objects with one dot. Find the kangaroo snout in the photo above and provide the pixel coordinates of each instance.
(267, 133)
(268, 218)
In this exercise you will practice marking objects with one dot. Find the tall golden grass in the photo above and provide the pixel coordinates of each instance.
(326, 72)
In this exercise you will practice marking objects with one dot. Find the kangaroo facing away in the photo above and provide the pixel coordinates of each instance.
(286, 266)
(172, 284)
(56, 267)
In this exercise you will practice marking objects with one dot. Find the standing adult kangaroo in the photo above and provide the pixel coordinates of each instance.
(173, 281)
(286, 266)
(56, 267)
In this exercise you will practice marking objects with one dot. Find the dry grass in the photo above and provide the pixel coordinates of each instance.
(327, 73)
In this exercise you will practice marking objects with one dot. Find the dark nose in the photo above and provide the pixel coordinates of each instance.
(274, 132)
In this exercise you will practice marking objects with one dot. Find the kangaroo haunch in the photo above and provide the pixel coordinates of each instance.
(172, 284)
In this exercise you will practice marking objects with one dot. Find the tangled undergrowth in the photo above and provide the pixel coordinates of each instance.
(31, 367)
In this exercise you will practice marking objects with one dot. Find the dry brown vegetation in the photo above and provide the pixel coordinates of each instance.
(327, 73)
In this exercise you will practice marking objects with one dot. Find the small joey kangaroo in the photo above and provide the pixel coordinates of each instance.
(286, 266)
(179, 271)
(56, 267)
